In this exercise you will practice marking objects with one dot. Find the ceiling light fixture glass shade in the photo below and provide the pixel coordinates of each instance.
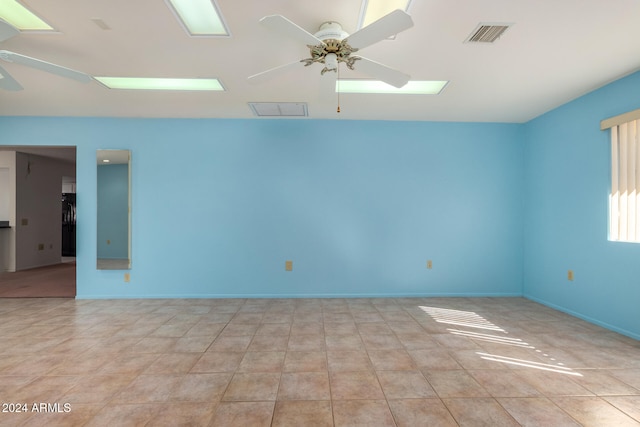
(372, 10)
(16, 14)
(199, 17)
(144, 83)
(414, 87)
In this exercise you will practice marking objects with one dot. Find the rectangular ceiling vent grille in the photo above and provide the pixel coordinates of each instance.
(279, 109)
(487, 33)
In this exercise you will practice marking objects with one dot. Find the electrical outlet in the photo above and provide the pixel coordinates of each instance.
(570, 275)
(288, 265)
(429, 264)
(127, 277)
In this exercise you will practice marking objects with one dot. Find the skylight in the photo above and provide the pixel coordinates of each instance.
(372, 10)
(16, 14)
(144, 83)
(199, 17)
(413, 87)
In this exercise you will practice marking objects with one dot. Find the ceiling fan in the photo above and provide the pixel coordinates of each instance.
(7, 82)
(332, 45)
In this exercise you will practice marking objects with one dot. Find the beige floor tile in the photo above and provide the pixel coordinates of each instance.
(206, 329)
(340, 328)
(274, 329)
(83, 364)
(305, 361)
(628, 376)
(172, 330)
(184, 414)
(553, 383)
(173, 363)
(381, 342)
(454, 383)
(255, 414)
(434, 359)
(269, 343)
(193, 343)
(253, 387)
(601, 383)
(354, 385)
(148, 389)
(154, 345)
(78, 415)
(218, 361)
(504, 383)
(374, 413)
(594, 411)
(262, 361)
(306, 342)
(125, 415)
(43, 389)
(417, 341)
(304, 386)
(391, 360)
(239, 329)
(405, 385)
(537, 411)
(374, 328)
(96, 388)
(480, 412)
(344, 342)
(630, 405)
(351, 360)
(303, 413)
(421, 413)
(230, 343)
(307, 328)
(201, 387)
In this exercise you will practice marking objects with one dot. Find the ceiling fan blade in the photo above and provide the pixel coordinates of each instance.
(274, 72)
(382, 72)
(7, 82)
(385, 27)
(287, 28)
(7, 31)
(45, 66)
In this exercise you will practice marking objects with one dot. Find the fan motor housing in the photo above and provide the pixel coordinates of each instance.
(335, 45)
(331, 30)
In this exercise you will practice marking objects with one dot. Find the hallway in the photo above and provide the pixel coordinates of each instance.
(55, 281)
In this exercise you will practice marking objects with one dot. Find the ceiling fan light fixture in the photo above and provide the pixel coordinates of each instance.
(171, 84)
(372, 10)
(413, 87)
(200, 18)
(16, 14)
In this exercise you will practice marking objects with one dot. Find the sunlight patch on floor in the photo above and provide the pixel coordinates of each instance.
(473, 320)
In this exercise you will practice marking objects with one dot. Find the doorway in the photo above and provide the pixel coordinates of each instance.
(45, 249)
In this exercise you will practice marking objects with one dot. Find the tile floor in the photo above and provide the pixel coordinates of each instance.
(304, 362)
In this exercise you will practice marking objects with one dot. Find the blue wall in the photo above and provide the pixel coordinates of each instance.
(219, 205)
(567, 184)
(113, 211)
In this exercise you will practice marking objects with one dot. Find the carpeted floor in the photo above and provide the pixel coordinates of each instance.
(57, 281)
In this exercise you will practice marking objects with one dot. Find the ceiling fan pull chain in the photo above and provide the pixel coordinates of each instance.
(338, 68)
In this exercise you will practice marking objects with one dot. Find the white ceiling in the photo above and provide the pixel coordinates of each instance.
(556, 51)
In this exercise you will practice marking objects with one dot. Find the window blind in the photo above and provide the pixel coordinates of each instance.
(624, 203)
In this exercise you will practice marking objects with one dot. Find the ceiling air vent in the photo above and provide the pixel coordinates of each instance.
(487, 33)
(279, 109)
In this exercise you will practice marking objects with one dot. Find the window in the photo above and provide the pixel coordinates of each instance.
(624, 200)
